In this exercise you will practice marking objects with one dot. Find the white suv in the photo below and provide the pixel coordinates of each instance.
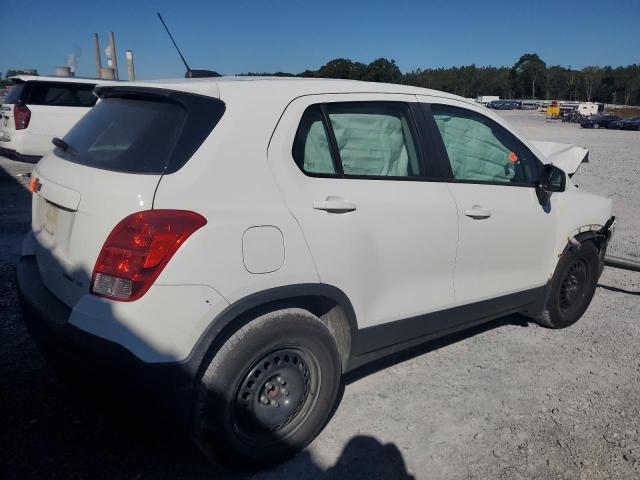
(236, 245)
(38, 109)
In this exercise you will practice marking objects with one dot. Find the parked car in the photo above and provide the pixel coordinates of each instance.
(503, 104)
(629, 123)
(40, 108)
(235, 246)
(598, 121)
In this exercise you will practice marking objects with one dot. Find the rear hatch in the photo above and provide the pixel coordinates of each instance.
(107, 167)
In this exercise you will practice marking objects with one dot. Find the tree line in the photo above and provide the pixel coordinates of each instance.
(528, 78)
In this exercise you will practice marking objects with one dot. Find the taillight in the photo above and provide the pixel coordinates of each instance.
(21, 116)
(137, 250)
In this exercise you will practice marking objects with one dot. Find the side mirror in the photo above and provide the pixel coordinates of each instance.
(552, 179)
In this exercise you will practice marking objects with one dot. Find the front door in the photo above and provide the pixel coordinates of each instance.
(507, 239)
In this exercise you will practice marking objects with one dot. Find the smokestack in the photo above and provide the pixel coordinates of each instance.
(96, 44)
(63, 71)
(131, 75)
(114, 57)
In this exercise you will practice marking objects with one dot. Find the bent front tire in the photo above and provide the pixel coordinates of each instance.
(572, 286)
(268, 391)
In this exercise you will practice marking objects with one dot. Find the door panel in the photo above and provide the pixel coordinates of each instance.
(506, 238)
(508, 251)
(389, 244)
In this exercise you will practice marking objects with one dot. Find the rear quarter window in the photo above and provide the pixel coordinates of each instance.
(141, 132)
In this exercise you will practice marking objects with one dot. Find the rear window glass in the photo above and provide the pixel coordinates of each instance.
(60, 94)
(142, 134)
(14, 93)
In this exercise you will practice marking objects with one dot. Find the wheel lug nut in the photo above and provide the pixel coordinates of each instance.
(264, 399)
(281, 381)
(268, 385)
(274, 403)
(285, 392)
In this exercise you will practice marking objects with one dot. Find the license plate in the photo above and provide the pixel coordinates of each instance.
(50, 219)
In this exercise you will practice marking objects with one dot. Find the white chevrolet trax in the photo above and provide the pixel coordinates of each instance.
(235, 245)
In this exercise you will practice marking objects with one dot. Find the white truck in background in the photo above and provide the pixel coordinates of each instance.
(587, 109)
(484, 99)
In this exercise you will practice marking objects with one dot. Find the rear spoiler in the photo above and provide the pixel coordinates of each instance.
(565, 156)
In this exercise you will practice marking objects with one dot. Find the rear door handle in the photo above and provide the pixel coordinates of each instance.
(477, 212)
(334, 205)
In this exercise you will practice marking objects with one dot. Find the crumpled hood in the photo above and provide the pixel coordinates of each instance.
(566, 156)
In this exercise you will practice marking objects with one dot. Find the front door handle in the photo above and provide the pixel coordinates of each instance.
(334, 205)
(477, 212)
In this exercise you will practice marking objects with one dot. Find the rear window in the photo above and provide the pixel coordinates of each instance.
(139, 132)
(59, 94)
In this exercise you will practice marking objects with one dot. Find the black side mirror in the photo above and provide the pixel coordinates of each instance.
(552, 179)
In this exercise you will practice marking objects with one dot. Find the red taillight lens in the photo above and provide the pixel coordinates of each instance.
(21, 116)
(137, 250)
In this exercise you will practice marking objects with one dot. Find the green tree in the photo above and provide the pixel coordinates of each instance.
(528, 70)
(382, 70)
(342, 68)
(591, 77)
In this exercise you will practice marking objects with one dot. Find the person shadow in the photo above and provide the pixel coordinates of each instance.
(363, 457)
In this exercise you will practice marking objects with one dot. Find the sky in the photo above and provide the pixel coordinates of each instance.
(282, 35)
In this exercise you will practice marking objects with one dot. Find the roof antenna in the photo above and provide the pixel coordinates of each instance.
(189, 73)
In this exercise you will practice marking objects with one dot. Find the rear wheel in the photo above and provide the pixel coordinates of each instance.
(269, 390)
(572, 286)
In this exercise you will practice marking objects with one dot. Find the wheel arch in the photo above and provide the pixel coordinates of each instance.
(328, 303)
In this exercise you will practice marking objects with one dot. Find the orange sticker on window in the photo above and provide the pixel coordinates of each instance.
(513, 157)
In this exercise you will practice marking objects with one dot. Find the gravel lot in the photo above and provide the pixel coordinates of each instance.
(510, 400)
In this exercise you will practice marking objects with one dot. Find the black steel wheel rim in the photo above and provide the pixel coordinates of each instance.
(275, 396)
(574, 284)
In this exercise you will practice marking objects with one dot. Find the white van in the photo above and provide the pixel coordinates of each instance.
(38, 109)
(235, 245)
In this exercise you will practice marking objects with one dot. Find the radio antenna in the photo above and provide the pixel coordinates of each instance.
(175, 45)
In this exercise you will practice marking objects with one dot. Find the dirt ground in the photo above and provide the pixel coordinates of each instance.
(510, 400)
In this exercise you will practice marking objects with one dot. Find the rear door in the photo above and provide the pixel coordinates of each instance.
(355, 176)
(109, 168)
(507, 239)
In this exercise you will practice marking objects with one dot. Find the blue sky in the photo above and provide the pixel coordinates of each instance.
(270, 35)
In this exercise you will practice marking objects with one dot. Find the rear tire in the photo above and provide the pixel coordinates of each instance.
(572, 286)
(268, 391)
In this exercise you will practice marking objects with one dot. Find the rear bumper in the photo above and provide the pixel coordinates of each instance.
(13, 155)
(65, 345)
(16, 147)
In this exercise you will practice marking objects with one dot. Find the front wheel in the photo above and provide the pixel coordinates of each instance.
(269, 390)
(572, 286)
